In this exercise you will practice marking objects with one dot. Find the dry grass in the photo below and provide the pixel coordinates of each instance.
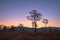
(29, 35)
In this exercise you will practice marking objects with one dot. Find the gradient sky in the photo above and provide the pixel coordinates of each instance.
(13, 12)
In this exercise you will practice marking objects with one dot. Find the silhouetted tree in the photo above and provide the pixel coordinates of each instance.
(7, 28)
(0, 28)
(34, 17)
(50, 29)
(12, 28)
(4, 28)
(45, 21)
(55, 30)
(21, 25)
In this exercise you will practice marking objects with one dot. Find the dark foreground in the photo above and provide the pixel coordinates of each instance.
(29, 36)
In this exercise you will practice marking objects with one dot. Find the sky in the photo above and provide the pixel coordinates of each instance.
(14, 12)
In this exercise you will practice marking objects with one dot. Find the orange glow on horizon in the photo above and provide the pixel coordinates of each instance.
(27, 23)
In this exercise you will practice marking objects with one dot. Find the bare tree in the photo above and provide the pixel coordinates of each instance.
(45, 21)
(34, 17)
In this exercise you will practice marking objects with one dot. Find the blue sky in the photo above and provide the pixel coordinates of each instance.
(17, 10)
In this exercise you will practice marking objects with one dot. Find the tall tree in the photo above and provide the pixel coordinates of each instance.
(45, 21)
(34, 17)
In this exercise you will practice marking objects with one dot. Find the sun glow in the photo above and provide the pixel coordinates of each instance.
(27, 23)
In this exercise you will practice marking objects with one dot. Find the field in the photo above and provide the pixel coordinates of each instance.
(29, 35)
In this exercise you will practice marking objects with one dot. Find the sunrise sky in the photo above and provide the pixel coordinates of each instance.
(13, 12)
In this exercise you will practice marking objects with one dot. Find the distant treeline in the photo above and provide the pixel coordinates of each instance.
(20, 28)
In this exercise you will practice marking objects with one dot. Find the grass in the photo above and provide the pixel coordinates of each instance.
(29, 35)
